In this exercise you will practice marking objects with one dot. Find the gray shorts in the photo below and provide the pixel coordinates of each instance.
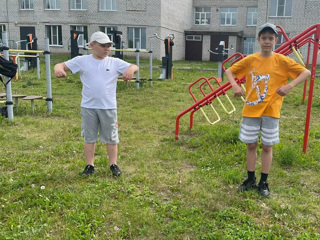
(102, 120)
(251, 128)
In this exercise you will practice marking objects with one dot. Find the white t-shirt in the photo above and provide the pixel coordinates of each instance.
(99, 80)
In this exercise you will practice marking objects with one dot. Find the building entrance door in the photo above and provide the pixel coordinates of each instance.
(193, 48)
(214, 43)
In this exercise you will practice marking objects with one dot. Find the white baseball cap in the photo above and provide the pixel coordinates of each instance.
(100, 37)
(268, 25)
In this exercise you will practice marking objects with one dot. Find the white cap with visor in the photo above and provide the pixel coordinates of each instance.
(101, 38)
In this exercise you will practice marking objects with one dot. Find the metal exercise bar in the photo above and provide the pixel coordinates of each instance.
(202, 102)
(8, 102)
(205, 81)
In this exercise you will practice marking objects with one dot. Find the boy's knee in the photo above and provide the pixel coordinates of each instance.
(266, 148)
(252, 146)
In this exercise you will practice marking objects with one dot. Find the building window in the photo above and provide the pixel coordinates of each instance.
(202, 15)
(52, 5)
(248, 45)
(54, 33)
(137, 38)
(83, 38)
(108, 31)
(2, 28)
(78, 4)
(281, 39)
(194, 38)
(228, 16)
(280, 8)
(252, 14)
(26, 4)
(108, 5)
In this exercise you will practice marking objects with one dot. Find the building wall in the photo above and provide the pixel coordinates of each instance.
(215, 26)
(206, 42)
(305, 13)
(215, 15)
(130, 13)
(176, 16)
(157, 16)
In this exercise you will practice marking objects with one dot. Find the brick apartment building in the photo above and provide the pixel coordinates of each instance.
(197, 25)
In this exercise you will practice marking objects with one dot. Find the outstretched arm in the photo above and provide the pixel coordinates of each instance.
(60, 70)
(128, 74)
(285, 89)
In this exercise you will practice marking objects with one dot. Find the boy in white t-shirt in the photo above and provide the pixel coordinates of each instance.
(99, 75)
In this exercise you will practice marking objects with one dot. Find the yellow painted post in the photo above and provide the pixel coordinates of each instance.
(298, 56)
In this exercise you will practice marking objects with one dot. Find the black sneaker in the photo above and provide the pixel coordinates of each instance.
(88, 170)
(263, 189)
(115, 170)
(247, 185)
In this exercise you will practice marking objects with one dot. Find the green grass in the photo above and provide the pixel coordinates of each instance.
(170, 189)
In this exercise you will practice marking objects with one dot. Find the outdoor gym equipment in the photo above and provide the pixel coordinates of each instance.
(138, 51)
(313, 32)
(311, 35)
(221, 51)
(25, 66)
(118, 44)
(74, 42)
(32, 59)
(9, 95)
(166, 68)
(295, 49)
(32, 45)
(208, 98)
(204, 82)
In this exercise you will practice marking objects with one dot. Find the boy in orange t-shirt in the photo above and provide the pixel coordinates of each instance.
(266, 74)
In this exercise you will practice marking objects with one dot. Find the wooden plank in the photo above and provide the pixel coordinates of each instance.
(32, 97)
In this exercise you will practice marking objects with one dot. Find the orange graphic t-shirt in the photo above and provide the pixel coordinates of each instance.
(264, 75)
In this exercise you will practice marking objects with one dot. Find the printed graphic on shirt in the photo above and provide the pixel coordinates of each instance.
(258, 89)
